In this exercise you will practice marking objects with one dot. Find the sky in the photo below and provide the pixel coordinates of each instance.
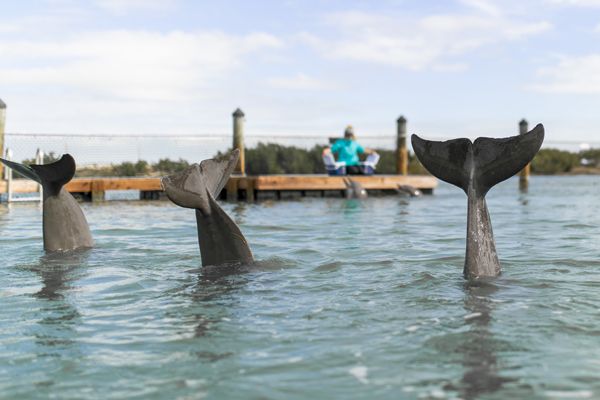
(462, 68)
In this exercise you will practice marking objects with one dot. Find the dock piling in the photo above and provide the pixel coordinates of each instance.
(238, 140)
(524, 174)
(2, 124)
(401, 152)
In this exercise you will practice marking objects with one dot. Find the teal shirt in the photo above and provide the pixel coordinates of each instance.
(347, 151)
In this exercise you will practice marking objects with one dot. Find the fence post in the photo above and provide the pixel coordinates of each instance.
(524, 174)
(238, 140)
(401, 152)
(8, 176)
(39, 159)
(2, 122)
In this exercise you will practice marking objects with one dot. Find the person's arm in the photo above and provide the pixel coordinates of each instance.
(369, 151)
(364, 150)
(334, 148)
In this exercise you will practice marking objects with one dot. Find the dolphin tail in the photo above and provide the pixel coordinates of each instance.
(483, 163)
(192, 187)
(51, 176)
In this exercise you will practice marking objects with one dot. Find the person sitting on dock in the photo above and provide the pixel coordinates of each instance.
(347, 150)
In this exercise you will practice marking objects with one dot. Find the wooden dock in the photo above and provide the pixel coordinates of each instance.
(239, 187)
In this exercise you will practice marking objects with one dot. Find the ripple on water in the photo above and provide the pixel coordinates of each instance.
(347, 299)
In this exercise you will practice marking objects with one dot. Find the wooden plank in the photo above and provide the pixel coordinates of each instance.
(322, 182)
(20, 186)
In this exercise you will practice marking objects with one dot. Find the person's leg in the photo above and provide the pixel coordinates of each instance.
(353, 170)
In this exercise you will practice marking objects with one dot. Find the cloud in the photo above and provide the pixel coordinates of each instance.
(122, 7)
(576, 75)
(130, 64)
(418, 43)
(577, 3)
(300, 82)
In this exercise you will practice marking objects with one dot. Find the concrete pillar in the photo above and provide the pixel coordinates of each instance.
(401, 152)
(2, 124)
(238, 140)
(524, 174)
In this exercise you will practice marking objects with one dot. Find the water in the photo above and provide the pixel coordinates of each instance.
(348, 299)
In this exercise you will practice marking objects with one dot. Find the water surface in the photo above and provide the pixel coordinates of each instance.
(348, 299)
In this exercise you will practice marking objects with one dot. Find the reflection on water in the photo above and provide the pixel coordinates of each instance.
(57, 270)
(59, 316)
(212, 285)
(479, 353)
(523, 185)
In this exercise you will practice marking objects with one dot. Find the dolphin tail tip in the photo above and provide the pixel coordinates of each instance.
(189, 188)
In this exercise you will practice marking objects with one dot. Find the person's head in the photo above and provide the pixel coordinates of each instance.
(349, 133)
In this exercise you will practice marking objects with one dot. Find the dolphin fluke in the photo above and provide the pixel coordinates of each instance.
(190, 188)
(51, 176)
(483, 163)
(476, 168)
(64, 225)
(220, 239)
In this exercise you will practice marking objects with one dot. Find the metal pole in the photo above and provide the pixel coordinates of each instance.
(39, 159)
(238, 140)
(2, 124)
(524, 174)
(401, 152)
(8, 176)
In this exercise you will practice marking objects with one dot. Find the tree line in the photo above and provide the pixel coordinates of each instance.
(271, 158)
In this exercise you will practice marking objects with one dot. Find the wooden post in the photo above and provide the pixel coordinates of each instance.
(2, 122)
(98, 193)
(250, 187)
(238, 140)
(232, 189)
(401, 152)
(524, 174)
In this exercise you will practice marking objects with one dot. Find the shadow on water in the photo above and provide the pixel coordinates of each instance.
(58, 316)
(479, 346)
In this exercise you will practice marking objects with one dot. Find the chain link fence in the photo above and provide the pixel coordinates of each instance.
(106, 149)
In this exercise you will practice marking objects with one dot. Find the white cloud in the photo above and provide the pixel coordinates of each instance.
(483, 5)
(300, 82)
(425, 42)
(130, 64)
(577, 75)
(577, 3)
(122, 7)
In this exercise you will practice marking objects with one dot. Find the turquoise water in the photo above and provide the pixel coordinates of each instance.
(348, 299)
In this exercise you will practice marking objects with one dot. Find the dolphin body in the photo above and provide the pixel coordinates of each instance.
(354, 190)
(64, 225)
(220, 239)
(476, 168)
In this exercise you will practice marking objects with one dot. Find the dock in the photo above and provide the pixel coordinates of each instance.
(239, 187)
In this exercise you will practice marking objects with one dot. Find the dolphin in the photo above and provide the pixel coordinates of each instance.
(354, 190)
(64, 225)
(220, 239)
(475, 168)
(409, 190)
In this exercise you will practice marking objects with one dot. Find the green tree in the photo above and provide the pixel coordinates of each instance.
(554, 161)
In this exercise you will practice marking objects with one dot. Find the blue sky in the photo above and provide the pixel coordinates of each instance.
(453, 68)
